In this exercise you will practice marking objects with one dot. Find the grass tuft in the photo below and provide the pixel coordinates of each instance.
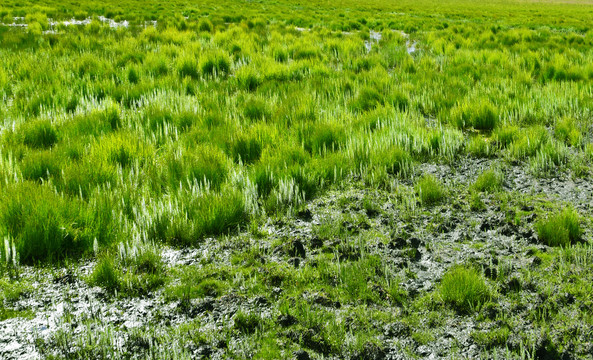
(39, 134)
(430, 190)
(48, 226)
(560, 229)
(106, 275)
(489, 181)
(481, 115)
(464, 288)
(215, 64)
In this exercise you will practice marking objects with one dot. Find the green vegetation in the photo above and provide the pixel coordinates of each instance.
(489, 181)
(430, 190)
(560, 229)
(281, 179)
(464, 288)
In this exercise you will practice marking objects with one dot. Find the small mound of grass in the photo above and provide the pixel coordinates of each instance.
(106, 275)
(430, 190)
(397, 161)
(464, 288)
(481, 115)
(567, 131)
(40, 165)
(255, 109)
(46, 226)
(39, 135)
(321, 137)
(248, 79)
(194, 218)
(188, 67)
(215, 64)
(560, 229)
(205, 25)
(204, 164)
(246, 323)
(246, 148)
(505, 135)
(489, 181)
(367, 99)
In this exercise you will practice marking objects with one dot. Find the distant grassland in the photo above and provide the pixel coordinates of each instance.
(221, 113)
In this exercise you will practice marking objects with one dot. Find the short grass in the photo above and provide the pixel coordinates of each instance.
(196, 124)
(464, 288)
(560, 229)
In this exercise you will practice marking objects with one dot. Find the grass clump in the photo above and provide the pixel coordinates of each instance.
(246, 148)
(566, 131)
(39, 134)
(205, 25)
(464, 288)
(395, 161)
(430, 190)
(480, 115)
(40, 165)
(318, 138)
(367, 99)
(106, 275)
(246, 322)
(560, 229)
(205, 164)
(255, 109)
(215, 64)
(505, 135)
(489, 181)
(188, 67)
(479, 147)
(248, 79)
(192, 217)
(47, 226)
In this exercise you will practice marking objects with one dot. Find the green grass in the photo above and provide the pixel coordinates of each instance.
(48, 226)
(560, 229)
(106, 275)
(479, 114)
(489, 181)
(464, 288)
(430, 190)
(39, 135)
(229, 118)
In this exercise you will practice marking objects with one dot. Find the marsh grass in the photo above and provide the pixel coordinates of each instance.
(430, 190)
(490, 180)
(464, 288)
(39, 134)
(560, 229)
(189, 219)
(48, 226)
(479, 114)
(566, 130)
(106, 275)
(223, 118)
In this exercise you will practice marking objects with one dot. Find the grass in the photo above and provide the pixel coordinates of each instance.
(560, 229)
(218, 123)
(489, 181)
(47, 226)
(429, 190)
(39, 135)
(106, 275)
(464, 288)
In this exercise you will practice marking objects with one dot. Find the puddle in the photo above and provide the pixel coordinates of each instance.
(18, 23)
(375, 37)
(411, 46)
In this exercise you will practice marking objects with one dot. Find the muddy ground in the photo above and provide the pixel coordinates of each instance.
(420, 242)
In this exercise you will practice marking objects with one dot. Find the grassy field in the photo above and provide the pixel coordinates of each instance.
(309, 179)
